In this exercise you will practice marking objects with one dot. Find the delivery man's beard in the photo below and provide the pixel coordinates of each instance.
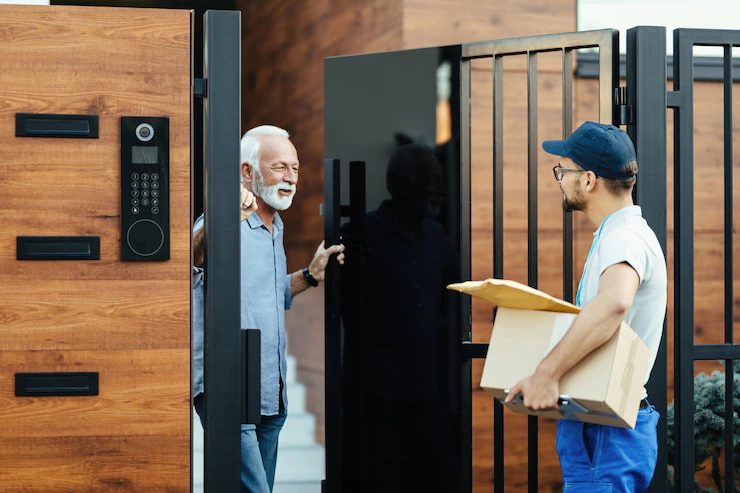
(576, 202)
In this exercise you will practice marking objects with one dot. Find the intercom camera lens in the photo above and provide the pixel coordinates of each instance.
(144, 132)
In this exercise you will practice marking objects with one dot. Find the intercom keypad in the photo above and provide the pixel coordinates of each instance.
(145, 218)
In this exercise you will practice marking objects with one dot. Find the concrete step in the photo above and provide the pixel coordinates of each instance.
(299, 429)
(298, 487)
(300, 464)
(292, 372)
(296, 398)
(296, 466)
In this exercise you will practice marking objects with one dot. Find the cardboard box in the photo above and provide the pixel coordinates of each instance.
(607, 384)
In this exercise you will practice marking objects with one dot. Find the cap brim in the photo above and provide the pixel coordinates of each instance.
(556, 147)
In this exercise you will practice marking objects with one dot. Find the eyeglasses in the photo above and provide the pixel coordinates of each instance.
(559, 171)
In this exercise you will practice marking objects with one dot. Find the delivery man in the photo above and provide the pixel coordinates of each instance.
(624, 279)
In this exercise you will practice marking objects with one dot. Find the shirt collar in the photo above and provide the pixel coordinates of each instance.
(254, 221)
(617, 217)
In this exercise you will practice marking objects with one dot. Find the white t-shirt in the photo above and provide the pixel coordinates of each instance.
(626, 237)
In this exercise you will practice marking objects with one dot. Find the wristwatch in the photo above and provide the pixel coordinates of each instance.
(309, 278)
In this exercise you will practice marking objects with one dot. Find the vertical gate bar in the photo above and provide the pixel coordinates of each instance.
(498, 248)
(729, 310)
(683, 83)
(222, 313)
(332, 331)
(608, 78)
(567, 216)
(466, 422)
(647, 95)
(532, 428)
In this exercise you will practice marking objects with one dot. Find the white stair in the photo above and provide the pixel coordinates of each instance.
(300, 466)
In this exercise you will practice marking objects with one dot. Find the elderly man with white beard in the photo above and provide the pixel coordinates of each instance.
(269, 173)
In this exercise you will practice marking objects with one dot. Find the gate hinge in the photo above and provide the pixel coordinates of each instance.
(624, 113)
(200, 88)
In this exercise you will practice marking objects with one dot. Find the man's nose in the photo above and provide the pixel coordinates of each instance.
(291, 176)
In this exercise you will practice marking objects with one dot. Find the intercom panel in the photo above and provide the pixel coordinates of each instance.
(145, 205)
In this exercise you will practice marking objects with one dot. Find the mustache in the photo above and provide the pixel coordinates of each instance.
(289, 187)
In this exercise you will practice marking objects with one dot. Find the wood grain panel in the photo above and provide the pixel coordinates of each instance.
(130, 321)
(71, 186)
(141, 393)
(442, 22)
(96, 464)
(85, 315)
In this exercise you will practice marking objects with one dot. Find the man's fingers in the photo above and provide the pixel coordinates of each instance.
(334, 249)
(515, 390)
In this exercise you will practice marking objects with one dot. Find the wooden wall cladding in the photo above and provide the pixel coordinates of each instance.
(130, 321)
(443, 22)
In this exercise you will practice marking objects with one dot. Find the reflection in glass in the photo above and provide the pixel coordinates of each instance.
(390, 119)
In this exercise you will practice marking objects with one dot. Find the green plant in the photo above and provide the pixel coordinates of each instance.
(709, 426)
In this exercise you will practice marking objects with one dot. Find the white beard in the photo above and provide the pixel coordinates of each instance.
(270, 194)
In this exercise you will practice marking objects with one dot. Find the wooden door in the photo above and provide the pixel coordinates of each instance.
(128, 321)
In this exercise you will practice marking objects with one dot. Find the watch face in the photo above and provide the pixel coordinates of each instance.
(311, 280)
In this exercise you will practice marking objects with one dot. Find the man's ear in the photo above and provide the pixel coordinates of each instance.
(590, 181)
(247, 172)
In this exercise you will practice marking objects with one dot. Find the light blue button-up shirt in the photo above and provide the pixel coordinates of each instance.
(265, 295)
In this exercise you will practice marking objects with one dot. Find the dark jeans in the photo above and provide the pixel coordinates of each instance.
(259, 447)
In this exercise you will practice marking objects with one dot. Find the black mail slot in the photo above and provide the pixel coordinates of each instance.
(60, 126)
(58, 248)
(57, 384)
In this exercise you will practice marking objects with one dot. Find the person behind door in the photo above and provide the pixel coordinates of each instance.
(624, 279)
(269, 172)
(397, 428)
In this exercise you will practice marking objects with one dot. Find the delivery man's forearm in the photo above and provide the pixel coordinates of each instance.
(597, 322)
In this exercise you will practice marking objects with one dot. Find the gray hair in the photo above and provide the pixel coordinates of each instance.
(250, 145)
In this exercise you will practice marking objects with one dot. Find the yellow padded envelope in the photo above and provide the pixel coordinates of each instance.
(511, 294)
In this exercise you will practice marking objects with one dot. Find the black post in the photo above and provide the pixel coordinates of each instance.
(532, 277)
(222, 131)
(332, 332)
(465, 331)
(647, 95)
(683, 200)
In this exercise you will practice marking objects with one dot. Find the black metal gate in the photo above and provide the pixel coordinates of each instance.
(607, 42)
(686, 352)
(352, 134)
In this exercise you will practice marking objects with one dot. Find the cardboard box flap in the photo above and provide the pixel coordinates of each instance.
(511, 294)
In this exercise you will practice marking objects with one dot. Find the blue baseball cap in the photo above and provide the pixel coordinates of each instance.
(603, 149)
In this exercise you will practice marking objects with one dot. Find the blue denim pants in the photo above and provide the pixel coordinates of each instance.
(605, 459)
(259, 444)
